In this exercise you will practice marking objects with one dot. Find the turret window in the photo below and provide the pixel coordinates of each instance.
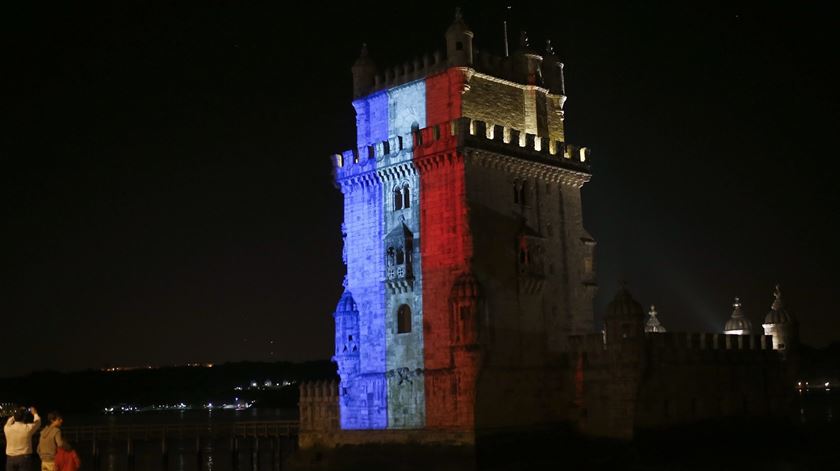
(398, 199)
(403, 319)
(402, 197)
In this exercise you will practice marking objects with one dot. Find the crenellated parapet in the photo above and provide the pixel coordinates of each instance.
(392, 157)
(709, 341)
(680, 347)
(409, 71)
(550, 77)
(318, 405)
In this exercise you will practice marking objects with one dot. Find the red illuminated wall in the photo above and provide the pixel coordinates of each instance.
(446, 249)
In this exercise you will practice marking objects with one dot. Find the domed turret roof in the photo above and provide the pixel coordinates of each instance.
(738, 323)
(777, 314)
(652, 324)
(623, 305)
(466, 287)
(346, 303)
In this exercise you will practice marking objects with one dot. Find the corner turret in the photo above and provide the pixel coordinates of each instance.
(364, 73)
(459, 49)
(346, 336)
(780, 324)
(529, 63)
(625, 318)
(553, 73)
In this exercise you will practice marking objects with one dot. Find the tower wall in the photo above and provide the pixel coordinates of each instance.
(529, 108)
(364, 398)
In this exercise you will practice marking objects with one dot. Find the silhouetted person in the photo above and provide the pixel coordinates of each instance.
(50, 441)
(19, 440)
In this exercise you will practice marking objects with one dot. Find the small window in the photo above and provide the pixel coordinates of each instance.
(398, 200)
(520, 190)
(403, 319)
(459, 46)
(400, 257)
(406, 197)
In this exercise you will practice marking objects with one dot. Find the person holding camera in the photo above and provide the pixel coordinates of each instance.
(19, 439)
(50, 441)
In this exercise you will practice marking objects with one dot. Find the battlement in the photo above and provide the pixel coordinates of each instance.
(513, 68)
(708, 341)
(669, 343)
(467, 132)
(409, 71)
(318, 405)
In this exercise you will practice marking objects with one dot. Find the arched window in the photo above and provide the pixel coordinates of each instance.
(400, 257)
(398, 199)
(403, 319)
(523, 192)
(406, 197)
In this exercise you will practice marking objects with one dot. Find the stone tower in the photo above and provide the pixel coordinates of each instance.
(467, 262)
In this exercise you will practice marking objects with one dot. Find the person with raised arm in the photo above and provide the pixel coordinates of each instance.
(19, 434)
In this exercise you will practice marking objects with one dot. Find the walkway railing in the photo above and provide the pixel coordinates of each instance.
(263, 429)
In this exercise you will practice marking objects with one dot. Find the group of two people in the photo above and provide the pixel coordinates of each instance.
(55, 452)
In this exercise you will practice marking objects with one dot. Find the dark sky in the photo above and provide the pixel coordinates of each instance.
(166, 184)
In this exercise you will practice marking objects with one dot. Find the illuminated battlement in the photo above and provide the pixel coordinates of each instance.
(513, 68)
(409, 71)
(466, 132)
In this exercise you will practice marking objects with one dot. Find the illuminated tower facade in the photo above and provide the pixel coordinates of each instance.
(467, 263)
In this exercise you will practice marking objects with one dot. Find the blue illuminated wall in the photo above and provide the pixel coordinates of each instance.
(382, 386)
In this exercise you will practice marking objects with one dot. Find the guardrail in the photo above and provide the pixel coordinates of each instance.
(249, 435)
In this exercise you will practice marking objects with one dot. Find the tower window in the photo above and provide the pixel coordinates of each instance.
(406, 197)
(403, 319)
(459, 46)
(400, 257)
(520, 190)
(398, 199)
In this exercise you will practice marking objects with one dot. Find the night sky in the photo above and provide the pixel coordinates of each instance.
(166, 186)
